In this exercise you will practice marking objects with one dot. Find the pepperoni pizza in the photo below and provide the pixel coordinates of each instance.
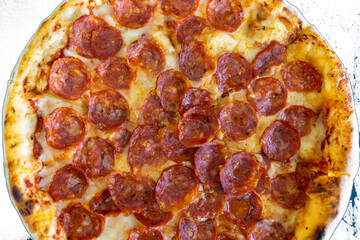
(173, 119)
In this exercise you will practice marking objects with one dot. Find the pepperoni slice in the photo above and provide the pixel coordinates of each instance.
(194, 61)
(196, 97)
(147, 234)
(189, 28)
(102, 203)
(115, 72)
(274, 54)
(280, 141)
(198, 126)
(108, 109)
(240, 174)
(132, 13)
(226, 15)
(131, 192)
(80, 223)
(180, 8)
(300, 117)
(209, 205)
(90, 36)
(153, 216)
(145, 148)
(176, 187)
(120, 139)
(207, 161)
(238, 120)
(302, 76)
(267, 95)
(63, 128)
(95, 156)
(269, 229)
(146, 54)
(190, 230)
(68, 182)
(69, 78)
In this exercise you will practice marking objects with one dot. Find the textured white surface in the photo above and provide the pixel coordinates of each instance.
(338, 21)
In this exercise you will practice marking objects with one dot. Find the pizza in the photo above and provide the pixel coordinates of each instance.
(170, 119)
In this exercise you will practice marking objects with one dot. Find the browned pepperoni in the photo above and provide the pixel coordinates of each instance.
(244, 210)
(267, 95)
(263, 185)
(196, 97)
(102, 203)
(80, 223)
(153, 216)
(176, 187)
(90, 36)
(68, 182)
(132, 13)
(269, 230)
(146, 234)
(131, 192)
(95, 156)
(171, 86)
(69, 78)
(120, 139)
(180, 8)
(198, 126)
(207, 161)
(233, 72)
(209, 205)
(280, 141)
(190, 230)
(240, 174)
(300, 117)
(226, 15)
(302, 76)
(115, 72)
(189, 28)
(146, 54)
(107, 109)
(194, 60)
(274, 54)
(63, 128)
(145, 148)
(238, 120)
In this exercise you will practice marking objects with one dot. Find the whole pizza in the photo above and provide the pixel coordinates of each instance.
(179, 119)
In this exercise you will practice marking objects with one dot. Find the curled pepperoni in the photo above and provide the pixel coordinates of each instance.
(68, 182)
(267, 95)
(300, 117)
(302, 76)
(196, 97)
(274, 54)
(102, 203)
(207, 161)
(131, 192)
(107, 109)
(120, 139)
(198, 126)
(132, 13)
(226, 15)
(280, 141)
(95, 156)
(233, 72)
(189, 28)
(172, 147)
(180, 8)
(63, 128)
(269, 229)
(146, 234)
(69, 78)
(115, 72)
(176, 187)
(194, 61)
(145, 148)
(238, 120)
(171, 85)
(153, 216)
(80, 223)
(146, 54)
(240, 174)
(190, 230)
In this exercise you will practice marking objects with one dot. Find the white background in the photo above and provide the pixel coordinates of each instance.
(338, 21)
